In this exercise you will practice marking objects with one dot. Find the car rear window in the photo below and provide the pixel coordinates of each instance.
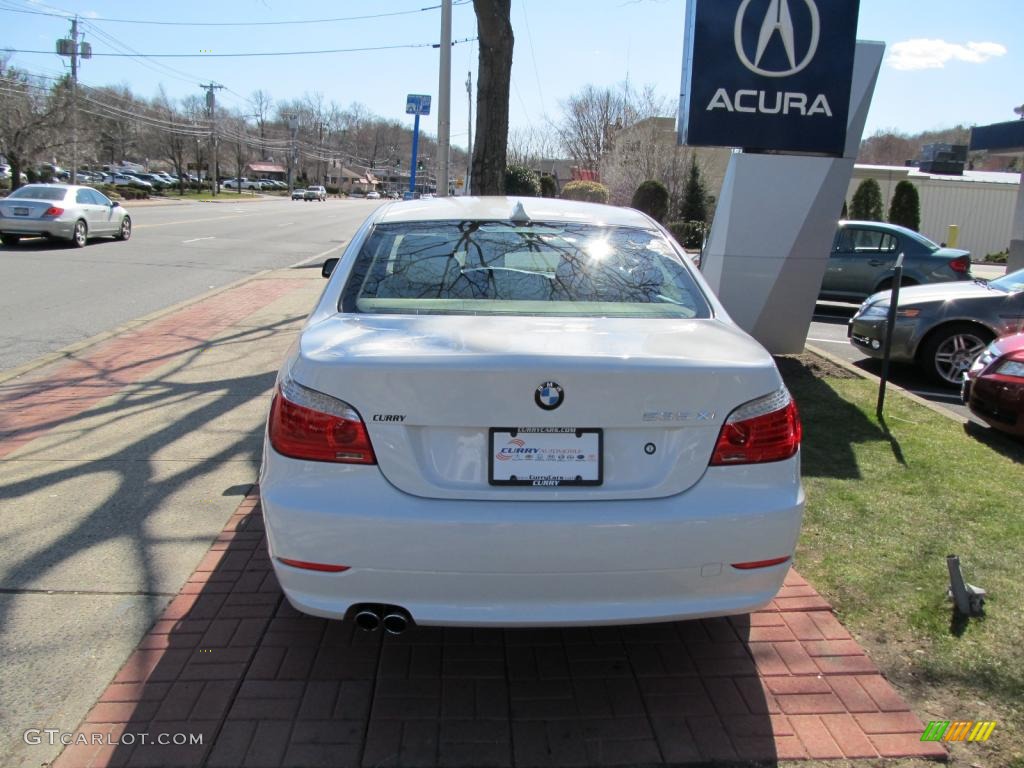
(496, 268)
(39, 193)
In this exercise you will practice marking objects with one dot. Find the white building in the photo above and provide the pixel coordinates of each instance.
(980, 203)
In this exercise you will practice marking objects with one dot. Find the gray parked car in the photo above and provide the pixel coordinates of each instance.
(864, 253)
(942, 328)
(61, 211)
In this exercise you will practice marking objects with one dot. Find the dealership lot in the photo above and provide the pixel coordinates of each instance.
(122, 463)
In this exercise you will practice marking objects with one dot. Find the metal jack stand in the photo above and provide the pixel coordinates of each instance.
(968, 599)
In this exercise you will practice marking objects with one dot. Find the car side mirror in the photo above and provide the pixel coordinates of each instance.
(328, 267)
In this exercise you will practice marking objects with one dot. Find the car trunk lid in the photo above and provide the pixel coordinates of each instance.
(432, 388)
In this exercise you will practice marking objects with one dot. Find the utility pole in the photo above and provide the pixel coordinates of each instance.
(469, 157)
(211, 108)
(293, 130)
(70, 47)
(444, 97)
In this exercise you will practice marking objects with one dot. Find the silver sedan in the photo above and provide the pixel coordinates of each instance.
(942, 327)
(63, 211)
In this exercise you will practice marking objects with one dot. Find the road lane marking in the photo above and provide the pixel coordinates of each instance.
(197, 239)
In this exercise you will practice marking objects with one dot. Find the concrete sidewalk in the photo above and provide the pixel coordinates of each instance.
(119, 464)
(122, 463)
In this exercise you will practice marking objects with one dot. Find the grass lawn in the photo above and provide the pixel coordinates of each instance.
(886, 502)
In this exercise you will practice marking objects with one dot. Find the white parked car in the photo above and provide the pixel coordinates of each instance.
(244, 183)
(526, 412)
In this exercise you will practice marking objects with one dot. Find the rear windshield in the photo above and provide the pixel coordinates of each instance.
(503, 268)
(39, 193)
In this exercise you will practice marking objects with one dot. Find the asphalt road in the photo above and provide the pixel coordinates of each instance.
(52, 295)
(828, 332)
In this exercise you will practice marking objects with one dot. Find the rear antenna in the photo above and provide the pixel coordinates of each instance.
(519, 214)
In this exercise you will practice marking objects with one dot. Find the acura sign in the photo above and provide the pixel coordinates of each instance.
(768, 74)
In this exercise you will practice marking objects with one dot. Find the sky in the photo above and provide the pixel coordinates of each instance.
(947, 61)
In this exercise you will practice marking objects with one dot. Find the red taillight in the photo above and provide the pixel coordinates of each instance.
(961, 265)
(313, 566)
(766, 429)
(760, 563)
(305, 424)
(53, 211)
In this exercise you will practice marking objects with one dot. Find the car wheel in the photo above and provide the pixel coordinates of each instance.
(80, 236)
(125, 231)
(10, 239)
(948, 353)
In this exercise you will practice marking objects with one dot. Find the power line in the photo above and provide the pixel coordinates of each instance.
(66, 14)
(255, 54)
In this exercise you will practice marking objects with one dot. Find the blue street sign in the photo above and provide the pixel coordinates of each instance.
(417, 104)
(768, 74)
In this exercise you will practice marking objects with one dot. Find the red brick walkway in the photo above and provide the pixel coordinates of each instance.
(31, 406)
(231, 661)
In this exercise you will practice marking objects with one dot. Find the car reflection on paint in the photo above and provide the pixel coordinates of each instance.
(526, 412)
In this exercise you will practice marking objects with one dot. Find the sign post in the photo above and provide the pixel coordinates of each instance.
(787, 82)
(416, 104)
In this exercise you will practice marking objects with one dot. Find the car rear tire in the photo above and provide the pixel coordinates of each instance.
(125, 232)
(10, 239)
(80, 236)
(948, 353)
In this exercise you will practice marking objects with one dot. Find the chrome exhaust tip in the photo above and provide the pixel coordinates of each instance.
(367, 620)
(395, 623)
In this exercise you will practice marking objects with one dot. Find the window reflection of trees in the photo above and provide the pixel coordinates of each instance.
(490, 261)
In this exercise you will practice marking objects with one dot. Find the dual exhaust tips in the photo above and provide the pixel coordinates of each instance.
(395, 620)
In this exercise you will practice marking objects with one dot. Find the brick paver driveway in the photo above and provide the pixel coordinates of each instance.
(263, 685)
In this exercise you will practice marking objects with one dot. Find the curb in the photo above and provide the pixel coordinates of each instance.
(131, 325)
(850, 367)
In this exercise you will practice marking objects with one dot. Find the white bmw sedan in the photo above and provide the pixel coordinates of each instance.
(526, 412)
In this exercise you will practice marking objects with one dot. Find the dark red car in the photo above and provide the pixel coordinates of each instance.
(994, 387)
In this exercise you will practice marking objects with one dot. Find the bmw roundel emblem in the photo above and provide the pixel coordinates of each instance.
(549, 396)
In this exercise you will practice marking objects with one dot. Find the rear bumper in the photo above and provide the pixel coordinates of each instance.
(530, 563)
(36, 228)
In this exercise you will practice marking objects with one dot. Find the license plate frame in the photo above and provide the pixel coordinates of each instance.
(549, 443)
(20, 211)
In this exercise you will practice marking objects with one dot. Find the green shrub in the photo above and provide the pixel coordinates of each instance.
(689, 234)
(905, 208)
(548, 186)
(520, 180)
(867, 201)
(651, 197)
(997, 258)
(587, 191)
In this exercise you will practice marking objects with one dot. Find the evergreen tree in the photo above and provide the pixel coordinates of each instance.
(867, 202)
(846, 211)
(905, 208)
(695, 197)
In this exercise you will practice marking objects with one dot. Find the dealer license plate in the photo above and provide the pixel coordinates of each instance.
(545, 456)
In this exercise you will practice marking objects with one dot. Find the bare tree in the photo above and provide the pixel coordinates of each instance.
(494, 29)
(592, 118)
(262, 105)
(31, 118)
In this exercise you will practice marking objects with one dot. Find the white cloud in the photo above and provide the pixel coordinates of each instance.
(922, 53)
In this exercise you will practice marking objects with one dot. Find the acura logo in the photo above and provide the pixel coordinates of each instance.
(778, 22)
